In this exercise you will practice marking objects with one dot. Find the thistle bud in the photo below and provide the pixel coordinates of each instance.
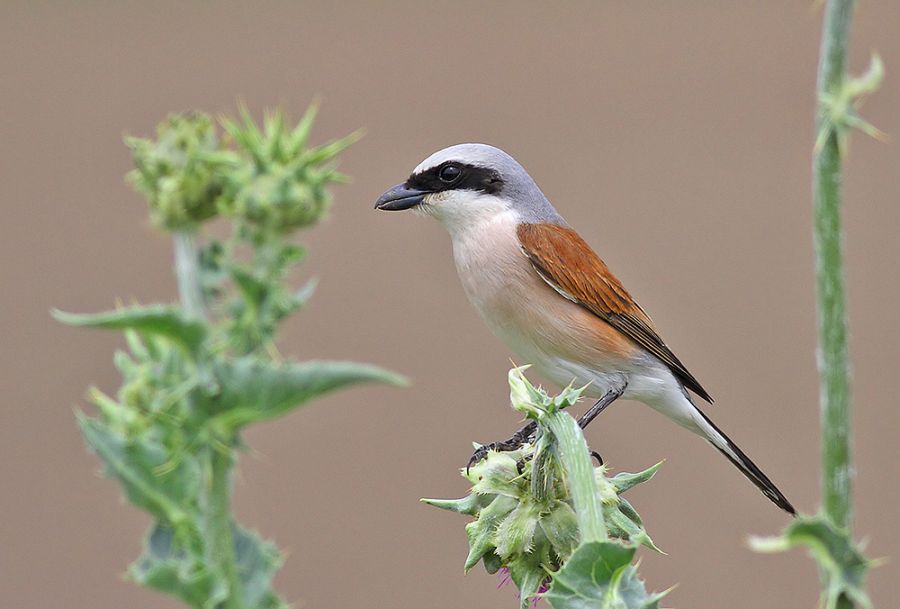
(280, 185)
(528, 531)
(178, 172)
(530, 536)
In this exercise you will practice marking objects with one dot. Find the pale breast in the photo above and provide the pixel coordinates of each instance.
(562, 339)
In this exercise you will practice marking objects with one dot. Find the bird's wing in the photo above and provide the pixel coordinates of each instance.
(569, 265)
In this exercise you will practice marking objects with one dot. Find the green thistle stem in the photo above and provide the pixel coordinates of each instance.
(215, 497)
(219, 531)
(575, 458)
(187, 270)
(833, 359)
(834, 365)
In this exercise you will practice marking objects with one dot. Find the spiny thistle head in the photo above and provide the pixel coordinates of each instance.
(532, 534)
(280, 184)
(269, 178)
(178, 172)
(513, 528)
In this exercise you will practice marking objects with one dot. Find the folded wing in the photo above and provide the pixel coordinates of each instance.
(568, 264)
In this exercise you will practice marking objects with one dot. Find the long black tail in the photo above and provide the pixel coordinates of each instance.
(741, 461)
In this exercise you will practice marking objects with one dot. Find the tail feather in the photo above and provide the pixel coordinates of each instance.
(727, 447)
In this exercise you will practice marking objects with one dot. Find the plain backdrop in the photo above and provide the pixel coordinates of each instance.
(675, 136)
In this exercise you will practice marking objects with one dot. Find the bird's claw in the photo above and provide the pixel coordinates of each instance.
(513, 443)
(481, 452)
(521, 437)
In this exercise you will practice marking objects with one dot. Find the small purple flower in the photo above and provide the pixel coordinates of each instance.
(545, 585)
(505, 578)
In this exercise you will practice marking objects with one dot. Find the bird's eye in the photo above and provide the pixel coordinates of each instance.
(449, 173)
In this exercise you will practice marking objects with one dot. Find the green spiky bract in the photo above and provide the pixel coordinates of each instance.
(560, 526)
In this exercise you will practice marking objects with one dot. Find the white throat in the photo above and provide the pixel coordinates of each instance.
(460, 211)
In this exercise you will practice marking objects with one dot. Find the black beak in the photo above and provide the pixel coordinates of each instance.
(399, 198)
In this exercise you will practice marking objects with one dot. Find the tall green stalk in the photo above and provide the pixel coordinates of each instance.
(834, 364)
(827, 535)
(215, 491)
(219, 530)
(187, 272)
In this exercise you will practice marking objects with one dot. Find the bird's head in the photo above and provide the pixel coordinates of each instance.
(467, 184)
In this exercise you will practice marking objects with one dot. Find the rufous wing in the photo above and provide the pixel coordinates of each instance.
(568, 264)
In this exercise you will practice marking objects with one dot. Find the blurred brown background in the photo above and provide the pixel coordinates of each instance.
(675, 136)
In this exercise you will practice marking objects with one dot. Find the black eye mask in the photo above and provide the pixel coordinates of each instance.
(470, 177)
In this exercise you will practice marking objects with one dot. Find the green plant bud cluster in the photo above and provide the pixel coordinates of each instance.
(282, 196)
(278, 184)
(529, 535)
(269, 179)
(179, 173)
(559, 527)
(194, 376)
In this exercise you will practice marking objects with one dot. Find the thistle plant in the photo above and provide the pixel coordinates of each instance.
(828, 535)
(557, 526)
(197, 373)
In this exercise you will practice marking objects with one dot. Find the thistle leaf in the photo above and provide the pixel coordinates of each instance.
(841, 562)
(159, 320)
(560, 526)
(481, 532)
(172, 567)
(529, 575)
(255, 390)
(470, 504)
(624, 481)
(257, 562)
(599, 575)
(135, 463)
(515, 534)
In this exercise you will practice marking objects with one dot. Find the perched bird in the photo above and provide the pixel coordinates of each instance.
(545, 293)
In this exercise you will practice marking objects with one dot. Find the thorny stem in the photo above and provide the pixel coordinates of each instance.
(833, 360)
(218, 530)
(215, 496)
(187, 270)
(575, 458)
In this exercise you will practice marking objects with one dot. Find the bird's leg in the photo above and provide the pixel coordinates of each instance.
(518, 439)
(525, 434)
(608, 398)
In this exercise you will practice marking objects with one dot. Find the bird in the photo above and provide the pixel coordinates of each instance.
(550, 298)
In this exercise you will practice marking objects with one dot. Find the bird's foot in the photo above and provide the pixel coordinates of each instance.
(521, 437)
(518, 439)
(482, 451)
